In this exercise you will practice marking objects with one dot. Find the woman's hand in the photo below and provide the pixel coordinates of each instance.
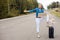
(26, 11)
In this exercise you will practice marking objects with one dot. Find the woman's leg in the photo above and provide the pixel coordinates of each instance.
(38, 25)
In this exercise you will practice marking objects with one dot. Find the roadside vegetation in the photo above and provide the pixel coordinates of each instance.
(13, 8)
(55, 8)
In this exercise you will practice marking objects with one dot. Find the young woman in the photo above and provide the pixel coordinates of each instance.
(39, 14)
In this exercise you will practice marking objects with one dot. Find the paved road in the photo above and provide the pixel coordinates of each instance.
(24, 28)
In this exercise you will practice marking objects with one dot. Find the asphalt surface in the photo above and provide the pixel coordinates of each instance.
(24, 28)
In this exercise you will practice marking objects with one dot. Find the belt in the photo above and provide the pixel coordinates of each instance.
(38, 17)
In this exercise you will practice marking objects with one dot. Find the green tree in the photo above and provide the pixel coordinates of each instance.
(3, 9)
(26, 4)
(54, 5)
(10, 8)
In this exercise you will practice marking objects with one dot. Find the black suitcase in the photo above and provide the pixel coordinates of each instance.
(51, 32)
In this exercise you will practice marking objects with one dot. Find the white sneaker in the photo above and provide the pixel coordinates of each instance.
(38, 36)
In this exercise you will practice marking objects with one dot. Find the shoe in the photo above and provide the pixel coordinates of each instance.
(38, 36)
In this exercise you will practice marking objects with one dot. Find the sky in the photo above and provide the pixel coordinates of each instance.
(46, 2)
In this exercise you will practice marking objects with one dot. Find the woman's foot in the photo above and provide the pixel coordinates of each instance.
(38, 36)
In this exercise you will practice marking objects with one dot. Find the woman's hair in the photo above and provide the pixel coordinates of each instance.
(41, 5)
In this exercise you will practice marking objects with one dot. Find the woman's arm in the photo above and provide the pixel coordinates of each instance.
(33, 10)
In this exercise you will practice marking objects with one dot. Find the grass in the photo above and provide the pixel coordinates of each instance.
(55, 13)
